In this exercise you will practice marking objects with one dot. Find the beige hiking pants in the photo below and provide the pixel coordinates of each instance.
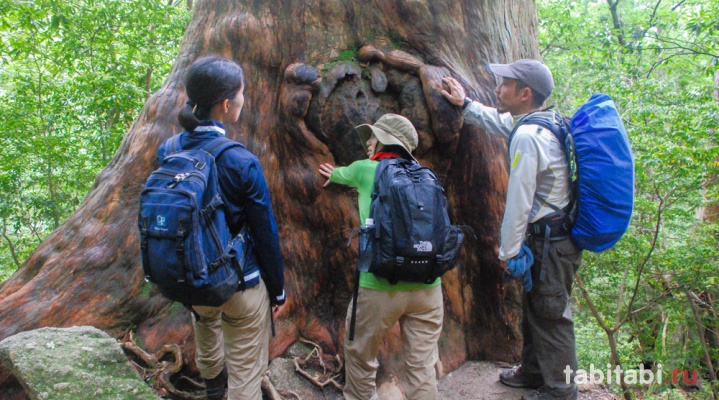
(420, 314)
(236, 334)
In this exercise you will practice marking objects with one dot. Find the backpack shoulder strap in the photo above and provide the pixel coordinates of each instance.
(171, 146)
(560, 128)
(384, 164)
(216, 146)
(381, 169)
(557, 126)
(554, 125)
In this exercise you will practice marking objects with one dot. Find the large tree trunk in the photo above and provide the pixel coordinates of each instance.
(302, 101)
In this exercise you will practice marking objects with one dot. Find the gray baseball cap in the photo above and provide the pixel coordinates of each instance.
(531, 72)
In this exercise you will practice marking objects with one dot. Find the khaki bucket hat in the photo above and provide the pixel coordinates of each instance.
(390, 129)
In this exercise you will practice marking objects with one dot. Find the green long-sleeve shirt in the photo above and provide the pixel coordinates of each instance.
(360, 175)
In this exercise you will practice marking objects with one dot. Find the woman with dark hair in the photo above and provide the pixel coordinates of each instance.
(233, 339)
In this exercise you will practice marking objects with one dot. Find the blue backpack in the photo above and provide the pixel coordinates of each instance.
(186, 245)
(601, 169)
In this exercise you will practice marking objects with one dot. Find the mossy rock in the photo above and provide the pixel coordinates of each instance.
(72, 363)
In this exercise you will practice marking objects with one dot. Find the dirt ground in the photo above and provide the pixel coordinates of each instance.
(480, 381)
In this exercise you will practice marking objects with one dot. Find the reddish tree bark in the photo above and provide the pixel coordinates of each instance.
(301, 105)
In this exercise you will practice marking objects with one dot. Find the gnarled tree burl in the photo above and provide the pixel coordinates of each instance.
(315, 69)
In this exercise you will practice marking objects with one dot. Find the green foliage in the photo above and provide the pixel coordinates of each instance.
(348, 56)
(658, 65)
(345, 56)
(396, 39)
(591, 342)
(73, 76)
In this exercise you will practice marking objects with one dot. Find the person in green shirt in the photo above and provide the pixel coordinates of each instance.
(418, 307)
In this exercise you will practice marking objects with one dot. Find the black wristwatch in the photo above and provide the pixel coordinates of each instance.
(467, 101)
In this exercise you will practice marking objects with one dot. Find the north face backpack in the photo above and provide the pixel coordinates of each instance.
(601, 170)
(186, 246)
(410, 237)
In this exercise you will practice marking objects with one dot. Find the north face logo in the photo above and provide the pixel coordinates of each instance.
(423, 247)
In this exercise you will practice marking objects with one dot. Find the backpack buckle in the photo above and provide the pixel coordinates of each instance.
(214, 205)
(181, 177)
(200, 165)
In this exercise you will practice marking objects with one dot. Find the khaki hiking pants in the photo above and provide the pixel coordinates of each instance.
(420, 314)
(236, 335)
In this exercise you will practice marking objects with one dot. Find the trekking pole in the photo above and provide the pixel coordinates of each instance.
(272, 321)
(354, 307)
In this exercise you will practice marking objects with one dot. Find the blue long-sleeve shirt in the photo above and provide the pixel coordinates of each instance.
(243, 186)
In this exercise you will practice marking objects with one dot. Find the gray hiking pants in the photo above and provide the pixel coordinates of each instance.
(547, 324)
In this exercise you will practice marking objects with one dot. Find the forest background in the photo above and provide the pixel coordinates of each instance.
(74, 75)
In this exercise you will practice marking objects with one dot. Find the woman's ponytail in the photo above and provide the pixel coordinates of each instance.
(187, 117)
(208, 81)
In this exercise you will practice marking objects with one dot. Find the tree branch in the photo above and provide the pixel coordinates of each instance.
(616, 21)
(657, 228)
(650, 303)
(611, 332)
(590, 304)
(10, 244)
(650, 23)
(678, 5)
(683, 46)
(702, 338)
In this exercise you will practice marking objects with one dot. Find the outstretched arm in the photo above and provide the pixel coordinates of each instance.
(456, 94)
(326, 171)
(476, 113)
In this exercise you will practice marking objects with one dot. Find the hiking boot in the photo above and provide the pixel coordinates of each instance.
(215, 387)
(516, 379)
(543, 393)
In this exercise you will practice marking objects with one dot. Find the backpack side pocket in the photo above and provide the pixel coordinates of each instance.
(243, 255)
(364, 250)
(452, 244)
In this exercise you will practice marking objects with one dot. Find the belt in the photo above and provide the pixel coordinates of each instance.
(551, 228)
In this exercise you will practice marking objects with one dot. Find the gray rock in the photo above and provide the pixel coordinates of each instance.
(378, 80)
(72, 363)
(297, 349)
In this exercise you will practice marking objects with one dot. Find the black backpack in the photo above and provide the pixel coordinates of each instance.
(409, 237)
(187, 249)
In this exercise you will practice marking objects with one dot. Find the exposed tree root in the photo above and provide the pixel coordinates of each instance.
(161, 370)
(287, 393)
(315, 361)
(269, 389)
(318, 368)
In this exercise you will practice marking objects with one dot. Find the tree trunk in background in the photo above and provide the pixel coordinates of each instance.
(314, 70)
(711, 213)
